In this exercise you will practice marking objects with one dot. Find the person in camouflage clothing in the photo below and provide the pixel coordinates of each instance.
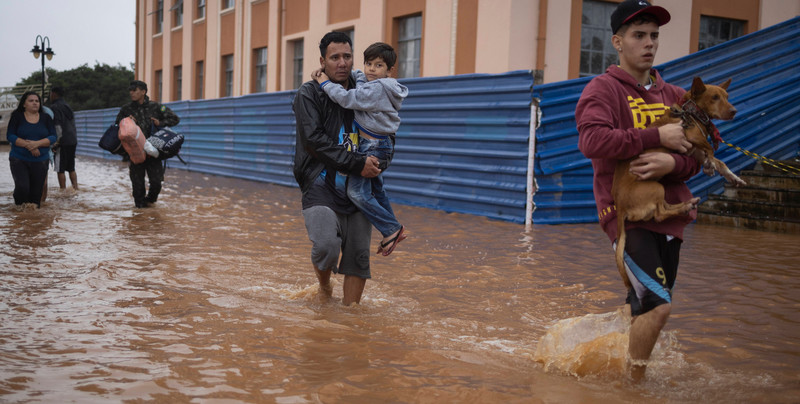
(146, 114)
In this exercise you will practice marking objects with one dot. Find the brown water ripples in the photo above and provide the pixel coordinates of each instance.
(209, 297)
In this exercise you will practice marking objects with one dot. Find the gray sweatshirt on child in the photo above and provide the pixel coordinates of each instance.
(375, 103)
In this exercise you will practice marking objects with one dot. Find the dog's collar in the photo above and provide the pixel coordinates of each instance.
(690, 108)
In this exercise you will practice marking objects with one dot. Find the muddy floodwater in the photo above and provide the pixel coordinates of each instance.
(209, 297)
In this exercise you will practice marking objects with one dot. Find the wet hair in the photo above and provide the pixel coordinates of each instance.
(383, 51)
(638, 20)
(333, 36)
(21, 107)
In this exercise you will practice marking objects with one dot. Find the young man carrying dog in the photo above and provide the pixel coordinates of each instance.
(612, 117)
(324, 155)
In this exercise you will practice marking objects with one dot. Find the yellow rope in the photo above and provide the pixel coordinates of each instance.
(774, 163)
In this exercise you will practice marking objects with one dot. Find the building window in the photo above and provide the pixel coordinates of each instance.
(178, 74)
(201, 9)
(409, 43)
(297, 68)
(177, 13)
(158, 85)
(715, 30)
(227, 78)
(198, 85)
(350, 32)
(159, 23)
(260, 71)
(226, 4)
(597, 51)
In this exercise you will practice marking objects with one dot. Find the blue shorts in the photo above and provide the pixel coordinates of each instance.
(651, 261)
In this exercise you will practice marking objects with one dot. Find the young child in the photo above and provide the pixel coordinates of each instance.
(375, 102)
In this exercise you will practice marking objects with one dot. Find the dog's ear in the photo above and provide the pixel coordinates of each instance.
(698, 87)
(726, 84)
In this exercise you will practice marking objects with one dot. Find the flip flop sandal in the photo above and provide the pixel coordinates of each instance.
(387, 247)
(381, 245)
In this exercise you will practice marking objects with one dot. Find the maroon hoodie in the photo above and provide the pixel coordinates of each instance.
(612, 116)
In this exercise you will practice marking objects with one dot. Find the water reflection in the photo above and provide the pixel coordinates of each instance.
(209, 295)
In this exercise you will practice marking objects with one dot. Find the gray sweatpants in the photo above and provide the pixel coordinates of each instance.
(331, 233)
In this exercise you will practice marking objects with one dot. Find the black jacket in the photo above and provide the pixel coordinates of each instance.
(63, 116)
(319, 120)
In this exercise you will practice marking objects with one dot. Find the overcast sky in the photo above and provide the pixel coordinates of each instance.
(80, 32)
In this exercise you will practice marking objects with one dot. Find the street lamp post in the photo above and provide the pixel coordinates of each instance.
(48, 52)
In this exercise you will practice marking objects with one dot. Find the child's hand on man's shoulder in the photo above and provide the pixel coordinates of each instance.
(319, 76)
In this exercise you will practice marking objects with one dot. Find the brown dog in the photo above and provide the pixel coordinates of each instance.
(637, 200)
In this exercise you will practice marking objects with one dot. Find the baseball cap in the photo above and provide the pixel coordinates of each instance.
(629, 9)
(137, 84)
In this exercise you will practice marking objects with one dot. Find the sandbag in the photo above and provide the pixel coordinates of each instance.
(132, 140)
(167, 142)
(110, 140)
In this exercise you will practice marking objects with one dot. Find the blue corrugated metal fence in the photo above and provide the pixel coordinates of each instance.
(764, 67)
(462, 146)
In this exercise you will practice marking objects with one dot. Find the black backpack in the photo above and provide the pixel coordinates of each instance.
(110, 141)
(167, 142)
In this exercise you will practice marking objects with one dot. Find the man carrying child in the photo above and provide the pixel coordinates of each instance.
(338, 231)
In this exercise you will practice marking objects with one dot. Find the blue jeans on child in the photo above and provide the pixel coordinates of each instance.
(368, 193)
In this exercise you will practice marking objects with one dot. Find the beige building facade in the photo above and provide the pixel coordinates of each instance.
(204, 49)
